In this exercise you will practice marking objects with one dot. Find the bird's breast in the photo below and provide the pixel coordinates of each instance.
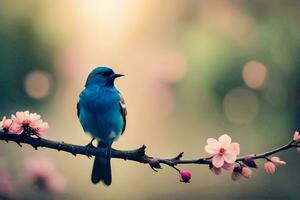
(100, 116)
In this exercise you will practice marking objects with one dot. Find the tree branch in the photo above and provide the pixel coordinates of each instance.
(137, 155)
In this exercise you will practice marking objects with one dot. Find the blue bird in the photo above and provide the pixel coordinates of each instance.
(102, 113)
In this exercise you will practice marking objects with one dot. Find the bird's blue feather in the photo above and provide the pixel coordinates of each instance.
(100, 113)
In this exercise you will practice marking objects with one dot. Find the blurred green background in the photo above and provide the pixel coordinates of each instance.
(194, 69)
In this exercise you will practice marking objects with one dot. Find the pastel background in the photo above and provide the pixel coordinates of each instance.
(194, 69)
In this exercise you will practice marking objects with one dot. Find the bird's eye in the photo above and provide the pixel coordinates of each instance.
(104, 73)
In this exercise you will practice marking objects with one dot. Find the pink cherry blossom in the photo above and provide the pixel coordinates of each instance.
(296, 136)
(185, 176)
(5, 123)
(32, 120)
(43, 173)
(222, 150)
(277, 161)
(7, 188)
(270, 168)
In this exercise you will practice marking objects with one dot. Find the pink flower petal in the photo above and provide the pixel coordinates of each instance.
(2, 122)
(26, 114)
(16, 128)
(216, 171)
(270, 168)
(36, 124)
(19, 117)
(246, 172)
(34, 117)
(212, 149)
(225, 140)
(5, 123)
(296, 136)
(228, 166)
(276, 160)
(234, 148)
(212, 141)
(42, 128)
(213, 146)
(229, 158)
(218, 161)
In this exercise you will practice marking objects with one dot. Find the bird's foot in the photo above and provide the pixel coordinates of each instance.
(89, 147)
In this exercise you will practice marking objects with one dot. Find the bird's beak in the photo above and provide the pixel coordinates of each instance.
(117, 75)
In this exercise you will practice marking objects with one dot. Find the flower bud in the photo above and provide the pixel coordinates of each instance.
(250, 162)
(5, 124)
(277, 161)
(228, 166)
(236, 173)
(235, 176)
(246, 172)
(296, 136)
(185, 176)
(270, 168)
(154, 163)
(215, 170)
(237, 169)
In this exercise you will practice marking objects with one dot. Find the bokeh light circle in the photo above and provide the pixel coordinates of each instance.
(240, 106)
(255, 74)
(38, 84)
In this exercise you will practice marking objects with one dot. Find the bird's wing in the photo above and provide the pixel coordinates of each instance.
(78, 109)
(123, 111)
(78, 104)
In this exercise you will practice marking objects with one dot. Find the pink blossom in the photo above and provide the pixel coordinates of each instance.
(246, 172)
(277, 161)
(32, 120)
(5, 123)
(185, 176)
(296, 136)
(270, 168)
(40, 127)
(222, 150)
(44, 174)
(6, 183)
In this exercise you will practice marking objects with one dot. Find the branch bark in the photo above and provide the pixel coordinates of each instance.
(137, 155)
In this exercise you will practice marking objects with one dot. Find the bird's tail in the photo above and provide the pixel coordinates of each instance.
(101, 170)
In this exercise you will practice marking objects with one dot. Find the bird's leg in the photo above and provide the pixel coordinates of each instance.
(90, 144)
(108, 151)
(89, 147)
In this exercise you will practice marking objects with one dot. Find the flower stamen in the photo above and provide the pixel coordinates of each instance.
(222, 150)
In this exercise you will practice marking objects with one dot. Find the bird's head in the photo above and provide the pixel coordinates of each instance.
(102, 76)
